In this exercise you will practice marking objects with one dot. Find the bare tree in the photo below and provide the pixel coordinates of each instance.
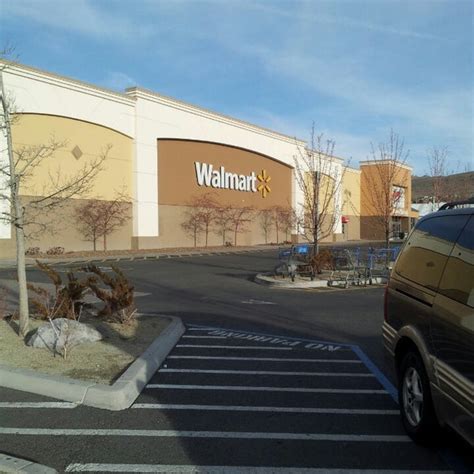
(113, 215)
(240, 217)
(285, 217)
(100, 218)
(87, 218)
(16, 172)
(192, 224)
(223, 221)
(266, 221)
(200, 216)
(319, 178)
(383, 186)
(437, 158)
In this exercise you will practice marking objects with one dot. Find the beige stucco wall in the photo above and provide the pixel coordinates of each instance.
(351, 203)
(31, 130)
(374, 178)
(63, 231)
(171, 218)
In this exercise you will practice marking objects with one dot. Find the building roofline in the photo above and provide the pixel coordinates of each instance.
(130, 94)
(15, 68)
(146, 94)
(376, 162)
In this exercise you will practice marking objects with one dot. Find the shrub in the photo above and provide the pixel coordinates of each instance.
(32, 251)
(55, 251)
(322, 261)
(119, 304)
(66, 301)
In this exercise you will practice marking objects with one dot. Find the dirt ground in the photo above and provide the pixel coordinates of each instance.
(102, 361)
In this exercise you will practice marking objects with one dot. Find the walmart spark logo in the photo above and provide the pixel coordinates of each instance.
(263, 187)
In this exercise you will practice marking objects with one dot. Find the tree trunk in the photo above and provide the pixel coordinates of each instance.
(95, 243)
(235, 237)
(105, 242)
(18, 221)
(24, 316)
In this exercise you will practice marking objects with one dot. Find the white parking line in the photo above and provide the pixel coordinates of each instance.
(267, 359)
(335, 411)
(266, 372)
(264, 389)
(236, 347)
(37, 405)
(204, 337)
(194, 469)
(206, 434)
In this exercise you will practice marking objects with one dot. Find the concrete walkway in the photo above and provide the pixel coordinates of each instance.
(12, 464)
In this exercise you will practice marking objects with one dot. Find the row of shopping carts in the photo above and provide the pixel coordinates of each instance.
(361, 265)
(346, 265)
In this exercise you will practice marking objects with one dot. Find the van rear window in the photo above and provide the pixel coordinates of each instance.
(425, 254)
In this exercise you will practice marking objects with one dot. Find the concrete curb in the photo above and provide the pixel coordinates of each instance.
(31, 262)
(269, 280)
(17, 465)
(118, 396)
(266, 279)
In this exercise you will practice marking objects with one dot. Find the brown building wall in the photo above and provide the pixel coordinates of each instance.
(177, 183)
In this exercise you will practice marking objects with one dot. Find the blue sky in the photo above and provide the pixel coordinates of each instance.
(355, 68)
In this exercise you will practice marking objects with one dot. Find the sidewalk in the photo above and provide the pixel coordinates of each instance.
(170, 253)
(152, 255)
(17, 465)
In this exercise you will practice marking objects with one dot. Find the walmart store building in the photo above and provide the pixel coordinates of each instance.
(163, 153)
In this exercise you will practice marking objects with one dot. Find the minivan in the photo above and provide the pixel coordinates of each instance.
(428, 326)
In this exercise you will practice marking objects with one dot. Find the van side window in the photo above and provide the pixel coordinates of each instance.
(457, 282)
(425, 254)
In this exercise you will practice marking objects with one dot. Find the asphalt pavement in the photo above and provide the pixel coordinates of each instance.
(263, 380)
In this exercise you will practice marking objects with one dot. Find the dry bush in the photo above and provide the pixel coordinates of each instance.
(65, 301)
(323, 260)
(32, 251)
(55, 251)
(119, 304)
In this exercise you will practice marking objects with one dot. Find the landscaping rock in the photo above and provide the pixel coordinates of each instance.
(67, 333)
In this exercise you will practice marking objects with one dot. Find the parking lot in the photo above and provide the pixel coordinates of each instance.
(262, 381)
(225, 400)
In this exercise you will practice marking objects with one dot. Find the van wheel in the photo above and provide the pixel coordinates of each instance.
(414, 396)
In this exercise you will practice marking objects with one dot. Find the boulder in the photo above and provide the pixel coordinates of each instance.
(66, 333)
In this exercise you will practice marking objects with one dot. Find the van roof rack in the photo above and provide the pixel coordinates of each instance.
(454, 204)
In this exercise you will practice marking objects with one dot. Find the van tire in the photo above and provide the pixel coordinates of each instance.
(416, 404)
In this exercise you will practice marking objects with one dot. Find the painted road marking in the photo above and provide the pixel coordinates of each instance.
(204, 337)
(206, 434)
(267, 372)
(37, 405)
(265, 389)
(335, 411)
(256, 302)
(197, 346)
(267, 359)
(288, 341)
(195, 469)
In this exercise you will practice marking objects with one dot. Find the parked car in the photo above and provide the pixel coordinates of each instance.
(429, 324)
